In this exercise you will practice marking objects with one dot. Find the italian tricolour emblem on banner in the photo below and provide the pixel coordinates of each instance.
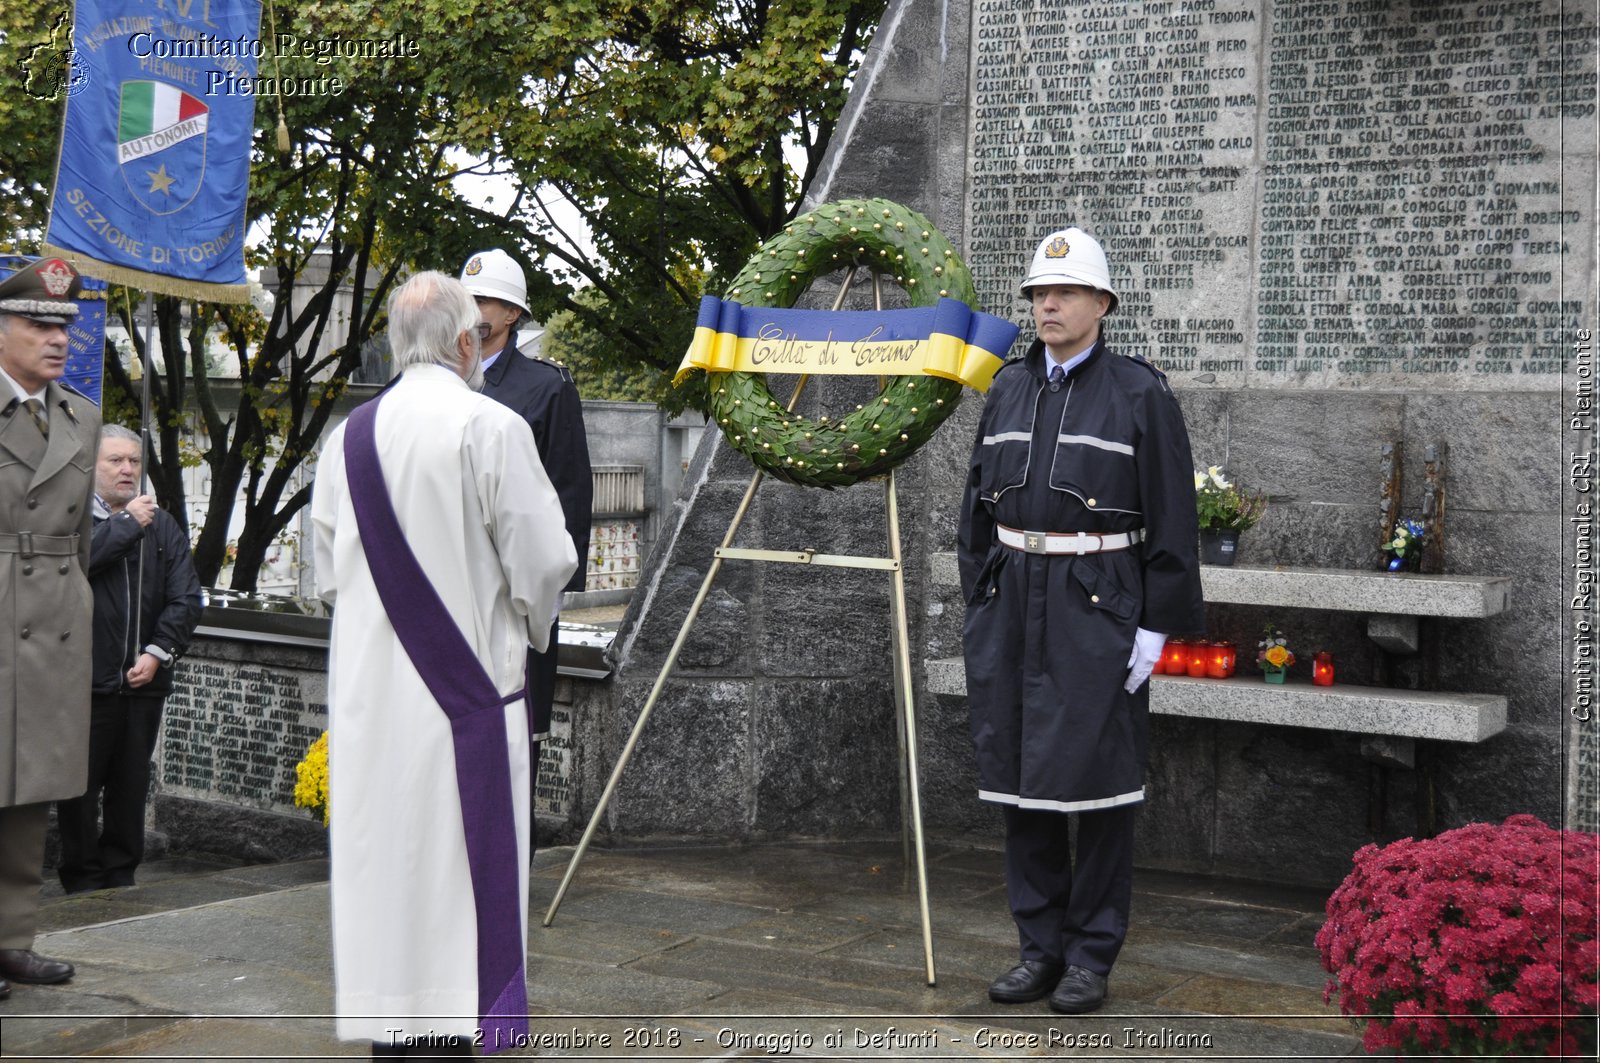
(163, 126)
(154, 171)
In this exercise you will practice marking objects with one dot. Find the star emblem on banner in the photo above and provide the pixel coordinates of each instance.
(160, 180)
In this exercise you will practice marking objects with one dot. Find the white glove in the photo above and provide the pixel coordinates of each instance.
(1147, 647)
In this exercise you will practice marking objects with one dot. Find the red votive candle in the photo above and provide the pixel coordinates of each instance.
(1199, 656)
(1322, 669)
(1175, 657)
(1222, 658)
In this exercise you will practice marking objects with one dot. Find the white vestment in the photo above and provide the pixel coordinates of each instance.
(478, 511)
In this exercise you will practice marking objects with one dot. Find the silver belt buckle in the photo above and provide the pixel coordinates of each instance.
(1033, 542)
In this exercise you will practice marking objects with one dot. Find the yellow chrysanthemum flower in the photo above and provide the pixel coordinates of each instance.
(311, 779)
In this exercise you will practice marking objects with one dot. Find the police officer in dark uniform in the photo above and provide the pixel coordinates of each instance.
(543, 393)
(1078, 553)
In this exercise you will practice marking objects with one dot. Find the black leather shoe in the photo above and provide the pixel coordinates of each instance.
(1028, 980)
(29, 968)
(1080, 990)
(5, 989)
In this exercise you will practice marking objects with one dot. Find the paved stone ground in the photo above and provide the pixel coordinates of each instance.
(785, 951)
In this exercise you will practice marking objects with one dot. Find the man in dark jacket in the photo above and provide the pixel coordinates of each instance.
(138, 554)
(1078, 553)
(542, 392)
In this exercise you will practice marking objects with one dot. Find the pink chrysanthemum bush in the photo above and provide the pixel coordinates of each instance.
(1480, 942)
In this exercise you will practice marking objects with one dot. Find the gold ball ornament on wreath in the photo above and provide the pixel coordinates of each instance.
(873, 439)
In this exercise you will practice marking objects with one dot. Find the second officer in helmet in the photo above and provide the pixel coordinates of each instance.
(543, 393)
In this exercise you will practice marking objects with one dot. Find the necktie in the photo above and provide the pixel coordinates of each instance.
(1057, 378)
(36, 411)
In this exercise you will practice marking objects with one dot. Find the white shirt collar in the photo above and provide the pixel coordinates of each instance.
(490, 359)
(22, 394)
(1071, 363)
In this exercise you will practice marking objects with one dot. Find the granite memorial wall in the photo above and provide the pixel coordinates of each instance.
(1334, 225)
(240, 717)
(1339, 194)
(243, 713)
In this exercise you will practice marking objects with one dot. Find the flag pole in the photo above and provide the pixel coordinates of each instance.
(146, 439)
(147, 450)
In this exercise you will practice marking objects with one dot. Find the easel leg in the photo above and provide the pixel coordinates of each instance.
(908, 713)
(650, 703)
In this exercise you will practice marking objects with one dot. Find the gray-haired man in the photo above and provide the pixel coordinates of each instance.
(146, 606)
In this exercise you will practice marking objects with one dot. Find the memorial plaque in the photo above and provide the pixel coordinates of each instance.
(234, 731)
(1334, 194)
(552, 791)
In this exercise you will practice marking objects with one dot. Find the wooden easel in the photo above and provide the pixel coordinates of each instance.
(905, 719)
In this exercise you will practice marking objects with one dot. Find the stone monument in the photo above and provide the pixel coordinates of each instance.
(1334, 226)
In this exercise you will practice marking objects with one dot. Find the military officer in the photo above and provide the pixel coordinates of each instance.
(48, 437)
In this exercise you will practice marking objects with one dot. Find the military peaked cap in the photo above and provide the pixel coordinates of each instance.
(44, 289)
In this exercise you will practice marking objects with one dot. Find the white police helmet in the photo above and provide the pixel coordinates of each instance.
(1070, 256)
(495, 274)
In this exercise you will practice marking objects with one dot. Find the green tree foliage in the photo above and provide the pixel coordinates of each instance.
(666, 130)
(659, 127)
(584, 351)
(364, 194)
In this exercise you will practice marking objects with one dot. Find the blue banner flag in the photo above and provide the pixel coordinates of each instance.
(86, 335)
(86, 339)
(154, 170)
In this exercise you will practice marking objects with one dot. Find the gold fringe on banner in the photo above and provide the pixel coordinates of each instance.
(151, 282)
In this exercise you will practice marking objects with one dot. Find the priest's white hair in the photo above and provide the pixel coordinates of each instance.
(427, 314)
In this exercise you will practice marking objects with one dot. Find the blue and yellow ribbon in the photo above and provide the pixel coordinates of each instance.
(949, 340)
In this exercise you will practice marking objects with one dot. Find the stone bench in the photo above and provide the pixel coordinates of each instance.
(1358, 710)
(1348, 590)
(1393, 601)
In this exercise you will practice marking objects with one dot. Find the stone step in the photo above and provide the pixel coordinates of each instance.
(1340, 590)
(1359, 710)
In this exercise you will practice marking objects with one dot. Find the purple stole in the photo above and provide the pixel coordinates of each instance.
(465, 692)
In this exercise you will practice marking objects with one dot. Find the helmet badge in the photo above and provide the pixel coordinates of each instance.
(1057, 248)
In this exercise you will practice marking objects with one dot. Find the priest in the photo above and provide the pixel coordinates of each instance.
(442, 546)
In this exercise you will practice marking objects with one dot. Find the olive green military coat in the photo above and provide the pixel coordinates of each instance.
(46, 611)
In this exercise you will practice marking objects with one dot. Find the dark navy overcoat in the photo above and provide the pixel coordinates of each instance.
(1048, 637)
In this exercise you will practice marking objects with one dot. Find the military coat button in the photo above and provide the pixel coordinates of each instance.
(24, 633)
(65, 635)
(1091, 502)
(64, 569)
(33, 503)
(27, 570)
(1095, 598)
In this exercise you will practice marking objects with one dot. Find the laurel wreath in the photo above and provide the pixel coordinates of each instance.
(890, 240)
